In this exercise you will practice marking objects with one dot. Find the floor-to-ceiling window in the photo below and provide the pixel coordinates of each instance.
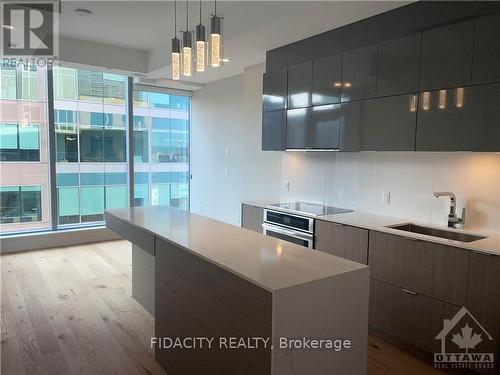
(90, 131)
(161, 149)
(90, 138)
(24, 172)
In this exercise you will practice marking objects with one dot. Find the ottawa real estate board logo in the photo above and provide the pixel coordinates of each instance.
(30, 32)
(465, 344)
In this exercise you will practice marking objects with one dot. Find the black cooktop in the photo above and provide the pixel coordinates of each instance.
(310, 208)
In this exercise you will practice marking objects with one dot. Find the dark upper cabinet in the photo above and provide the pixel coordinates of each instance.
(313, 127)
(273, 130)
(381, 124)
(274, 90)
(398, 66)
(327, 80)
(460, 119)
(446, 56)
(486, 62)
(300, 85)
(359, 73)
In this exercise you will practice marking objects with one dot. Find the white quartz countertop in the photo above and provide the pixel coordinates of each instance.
(366, 220)
(268, 262)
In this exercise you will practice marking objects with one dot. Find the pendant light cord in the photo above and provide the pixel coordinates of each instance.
(175, 18)
(187, 14)
(215, 1)
(200, 11)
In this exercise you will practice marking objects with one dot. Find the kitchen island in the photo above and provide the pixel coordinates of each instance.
(252, 304)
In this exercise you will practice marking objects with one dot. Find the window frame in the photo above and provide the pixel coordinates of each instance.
(128, 126)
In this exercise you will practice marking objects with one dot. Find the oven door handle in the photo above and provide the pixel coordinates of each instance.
(274, 228)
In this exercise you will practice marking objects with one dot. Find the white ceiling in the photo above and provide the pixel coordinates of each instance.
(250, 27)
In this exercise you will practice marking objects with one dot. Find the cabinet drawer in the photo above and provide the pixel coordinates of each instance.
(390, 311)
(342, 240)
(435, 270)
(411, 319)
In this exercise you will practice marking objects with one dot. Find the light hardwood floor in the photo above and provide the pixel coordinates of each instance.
(70, 311)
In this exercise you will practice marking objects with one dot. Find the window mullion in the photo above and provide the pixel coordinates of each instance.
(52, 147)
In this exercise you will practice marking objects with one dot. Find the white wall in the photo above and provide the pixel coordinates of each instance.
(226, 115)
(359, 180)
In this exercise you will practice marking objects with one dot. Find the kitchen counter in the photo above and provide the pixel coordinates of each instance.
(200, 277)
(366, 220)
(268, 262)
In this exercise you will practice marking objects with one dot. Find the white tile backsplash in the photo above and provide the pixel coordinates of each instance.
(359, 181)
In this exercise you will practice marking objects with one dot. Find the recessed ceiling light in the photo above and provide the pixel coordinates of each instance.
(83, 12)
(8, 27)
(225, 59)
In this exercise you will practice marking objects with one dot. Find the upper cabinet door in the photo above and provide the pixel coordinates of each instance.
(460, 119)
(313, 127)
(381, 124)
(398, 66)
(324, 127)
(273, 130)
(300, 85)
(327, 80)
(359, 73)
(274, 90)
(446, 58)
(486, 62)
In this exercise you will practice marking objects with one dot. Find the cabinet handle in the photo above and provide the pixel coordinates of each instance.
(481, 253)
(338, 224)
(409, 292)
(411, 239)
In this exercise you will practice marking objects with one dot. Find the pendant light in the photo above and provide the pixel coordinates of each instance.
(187, 46)
(176, 49)
(200, 46)
(215, 39)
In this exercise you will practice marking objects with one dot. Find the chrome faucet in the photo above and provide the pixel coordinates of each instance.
(453, 220)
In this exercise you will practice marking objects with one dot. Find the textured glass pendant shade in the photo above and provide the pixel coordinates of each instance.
(187, 56)
(200, 48)
(215, 41)
(176, 59)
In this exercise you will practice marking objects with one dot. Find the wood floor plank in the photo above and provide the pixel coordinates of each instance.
(70, 311)
(32, 357)
(10, 353)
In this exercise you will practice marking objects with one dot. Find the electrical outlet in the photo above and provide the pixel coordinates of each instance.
(386, 197)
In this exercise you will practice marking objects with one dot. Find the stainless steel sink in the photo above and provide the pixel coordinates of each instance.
(434, 232)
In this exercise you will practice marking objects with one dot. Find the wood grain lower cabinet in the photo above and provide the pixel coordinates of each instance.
(390, 311)
(407, 318)
(483, 299)
(252, 217)
(431, 269)
(342, 240)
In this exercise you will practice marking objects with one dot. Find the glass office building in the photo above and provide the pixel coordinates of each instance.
(90, 122)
